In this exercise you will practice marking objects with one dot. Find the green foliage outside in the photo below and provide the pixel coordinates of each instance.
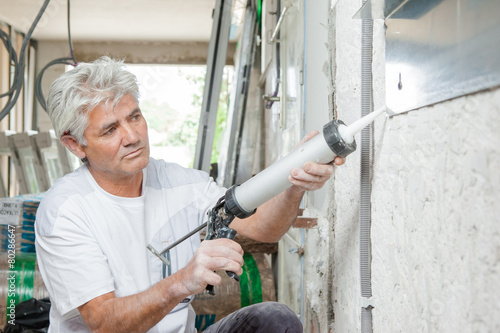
(180, 127)
(221, 110)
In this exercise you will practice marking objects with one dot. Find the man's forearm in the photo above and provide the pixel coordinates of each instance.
(135, 313)
(273, 218)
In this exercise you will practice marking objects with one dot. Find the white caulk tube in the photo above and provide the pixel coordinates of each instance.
(337, 139)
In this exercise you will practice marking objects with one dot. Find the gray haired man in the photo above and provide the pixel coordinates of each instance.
(93, 225)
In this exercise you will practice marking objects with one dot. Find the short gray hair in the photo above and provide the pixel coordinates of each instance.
(77, 92)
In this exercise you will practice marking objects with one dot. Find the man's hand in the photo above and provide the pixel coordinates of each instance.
(212, 255)
(312, 176)
(140, 312)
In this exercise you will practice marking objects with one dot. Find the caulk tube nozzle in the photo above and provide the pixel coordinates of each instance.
(348, 132)
(323, 148)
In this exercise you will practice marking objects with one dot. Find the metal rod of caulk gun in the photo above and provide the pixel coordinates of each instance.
(337, 139)
(174, 244)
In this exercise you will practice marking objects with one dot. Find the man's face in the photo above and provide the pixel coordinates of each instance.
(117, 140)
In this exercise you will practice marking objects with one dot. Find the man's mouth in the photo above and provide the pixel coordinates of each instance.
(134, 153)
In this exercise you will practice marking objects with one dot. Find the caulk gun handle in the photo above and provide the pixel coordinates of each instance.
(225, 232)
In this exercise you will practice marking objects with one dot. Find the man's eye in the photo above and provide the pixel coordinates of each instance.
(110, 131)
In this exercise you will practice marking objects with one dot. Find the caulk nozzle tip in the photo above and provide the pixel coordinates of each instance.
(359, 124)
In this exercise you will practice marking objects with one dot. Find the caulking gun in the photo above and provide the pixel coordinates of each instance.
(241, 201)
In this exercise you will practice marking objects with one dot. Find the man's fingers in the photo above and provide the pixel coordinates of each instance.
(313, 172)
(313, 176)
(223, 243)
(339, 160)
(319, 169)
(225, 264)
(220, 254)
(308, 182)
(303, 176)
(212, 255)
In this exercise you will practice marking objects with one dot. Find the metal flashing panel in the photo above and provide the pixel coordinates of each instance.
(378, 9)
(441, 49)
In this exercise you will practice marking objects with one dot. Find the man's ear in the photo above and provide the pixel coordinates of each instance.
(70, 142)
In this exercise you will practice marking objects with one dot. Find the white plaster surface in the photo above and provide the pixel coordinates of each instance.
(435, 232)
(435, 194)
(345, 201)
(435, 229)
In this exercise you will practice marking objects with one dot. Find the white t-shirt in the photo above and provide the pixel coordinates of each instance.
(90, 242)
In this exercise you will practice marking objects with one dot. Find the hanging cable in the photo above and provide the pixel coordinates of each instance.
(63, 61)
(18, 65)
(12, 58)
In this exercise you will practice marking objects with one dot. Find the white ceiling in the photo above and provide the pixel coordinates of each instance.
(114, 20)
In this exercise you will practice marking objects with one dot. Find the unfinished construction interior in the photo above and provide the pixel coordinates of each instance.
(405, 236)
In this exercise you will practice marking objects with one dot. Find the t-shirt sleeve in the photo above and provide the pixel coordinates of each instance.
(208, 195)
(192, 187)
(73, 267)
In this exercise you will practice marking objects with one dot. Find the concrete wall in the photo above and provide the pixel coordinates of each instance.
(435, 217)
(435, 232)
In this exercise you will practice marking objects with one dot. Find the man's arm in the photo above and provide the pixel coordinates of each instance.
(273, 218)
(142, 311)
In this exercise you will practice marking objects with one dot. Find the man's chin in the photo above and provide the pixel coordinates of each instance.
(142, 163)
(137, 164)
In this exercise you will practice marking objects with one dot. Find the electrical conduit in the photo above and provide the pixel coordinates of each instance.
(365, 177)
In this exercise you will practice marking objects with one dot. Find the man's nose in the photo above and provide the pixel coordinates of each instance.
(129, 135)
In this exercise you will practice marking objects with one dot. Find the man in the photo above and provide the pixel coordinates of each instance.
(93, 225)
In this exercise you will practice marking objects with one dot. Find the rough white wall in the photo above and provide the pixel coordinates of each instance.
(345, 33)
(307, 286)
(436, 235)
(435, 231)
(318, 245)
